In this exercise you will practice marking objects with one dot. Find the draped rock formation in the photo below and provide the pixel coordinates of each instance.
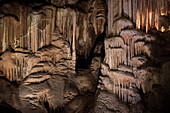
(84, 56)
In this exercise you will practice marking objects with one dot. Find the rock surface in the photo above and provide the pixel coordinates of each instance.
(81, 56)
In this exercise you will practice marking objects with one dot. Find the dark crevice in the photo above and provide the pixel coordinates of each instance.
(81, 64)
(84, 63)
(100, 38)
(6, 108)
(46, 105)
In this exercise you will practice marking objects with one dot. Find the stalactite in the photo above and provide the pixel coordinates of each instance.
(85, 35)
(41, 33)
(166, 7)
(119, 88)
(130, 9)
(114, 84)
(112, 11)
(147, 24)
(16, 68)
(36, 33)
(134, 10)
(128, 53)
(125, 5)
(3, 40)
(132, 48)
(7, 74)
(63, 22)
(74, 37)
(120, 7)
(156, 16)
(158, 6)
(153, 13)
(21, 68)
(94, 25)
(143, 14)
(115, 57)
(109, 16)
(109, 57)
(150, 13)
(122, 89)
(138, 16)
(11, 74)
(125, 95)
(7, 33)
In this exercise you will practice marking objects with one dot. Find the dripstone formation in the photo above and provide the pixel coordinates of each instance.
(84, 56)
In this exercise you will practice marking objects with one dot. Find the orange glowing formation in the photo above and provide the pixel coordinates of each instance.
(162, 29)
(138, 20)
(150, 19)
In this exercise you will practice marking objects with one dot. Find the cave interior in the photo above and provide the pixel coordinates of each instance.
(84, 56)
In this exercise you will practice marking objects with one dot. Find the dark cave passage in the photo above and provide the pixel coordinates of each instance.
(6, 108)
(82, 64)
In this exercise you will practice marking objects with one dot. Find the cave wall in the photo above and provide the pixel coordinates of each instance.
(135, 57)
(80, 56)
(40, 44)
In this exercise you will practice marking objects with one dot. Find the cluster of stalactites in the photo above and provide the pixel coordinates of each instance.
(31, 32)
(149, 12)
(14, 66)
(121, 50)
(120, 83)
(145, 13)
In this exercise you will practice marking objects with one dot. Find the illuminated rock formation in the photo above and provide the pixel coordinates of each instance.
(84, 56)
